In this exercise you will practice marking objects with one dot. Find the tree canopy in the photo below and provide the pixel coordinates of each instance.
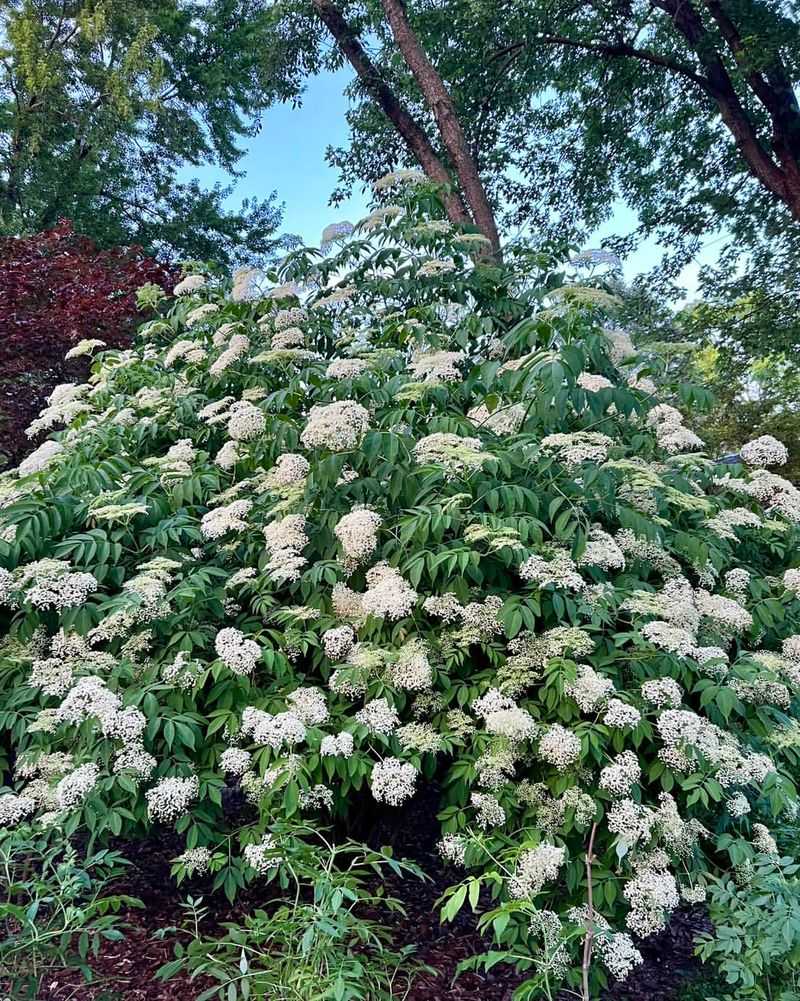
(102, 102)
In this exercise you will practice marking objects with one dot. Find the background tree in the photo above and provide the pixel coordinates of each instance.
(686, 112)
(103, 102)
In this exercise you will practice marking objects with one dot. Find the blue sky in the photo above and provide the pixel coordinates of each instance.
(288, 155)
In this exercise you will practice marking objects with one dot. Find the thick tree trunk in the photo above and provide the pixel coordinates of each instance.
(439, 101)
(410, 130)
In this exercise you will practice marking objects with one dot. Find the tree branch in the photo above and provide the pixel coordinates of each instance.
(410, 130)
(441, 104)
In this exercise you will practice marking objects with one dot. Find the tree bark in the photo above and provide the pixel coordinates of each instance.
(441, 104)
(412, 133)
(782, 180)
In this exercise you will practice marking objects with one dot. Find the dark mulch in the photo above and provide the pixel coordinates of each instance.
(126, 970)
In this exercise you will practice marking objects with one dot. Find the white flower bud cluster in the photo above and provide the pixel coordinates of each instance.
(228, 518)
(40, 458)
(560, 747)
(534, 868)
(489, 812)
(338, 426)
(263, 856)
(197, 315)
(73, 789)
(273, 731)
(764, 451)
(378, 717)
(284, 318)
(184, 350)
(171, 797)
(235, 651)
(503, 420)
(388, 595)
(419, 737)
(338, 642)
(623, 772)
(393, 781)
(309, 705)
(337, 746)
(246, 421)
(589, 689)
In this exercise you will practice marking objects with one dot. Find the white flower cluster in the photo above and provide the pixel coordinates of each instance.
(285, 538)
(246, 421)
(235, 760)
(357, 533)
(503, 420)
(14, 809)
(263, 856)
(556, 568)
(662, 692)
(652, 895)
(764, 451)
(228, 518)
(388, 595)
(309, 705)
(40, 458)
(623, 772)
(602, 551)
(593, 383)
(346, 368)
(171, 797)
(412, 670)
(453, 849)
(196, 860)
(489, 812)
(671, 434)
(47, 584)
(578, 447)
(237, 348)
(589, 689)
(378, 717)
(338, 426)
(437, 366)
(393, 781)
(560, 747)
(273, 731)
(289, 470)
(534, 868)
(236, 652)
(337, 746)
(456, 455)
(338, 642)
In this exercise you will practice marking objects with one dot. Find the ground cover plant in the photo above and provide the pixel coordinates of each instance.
(397, 516)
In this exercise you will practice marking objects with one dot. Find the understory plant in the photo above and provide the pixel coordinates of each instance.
(322, 936)
(398, 515)
(56, 908)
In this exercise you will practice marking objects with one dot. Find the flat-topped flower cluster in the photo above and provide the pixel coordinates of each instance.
(320, 532)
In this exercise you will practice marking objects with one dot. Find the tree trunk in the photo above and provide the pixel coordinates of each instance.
(410, 130)
(439, 101)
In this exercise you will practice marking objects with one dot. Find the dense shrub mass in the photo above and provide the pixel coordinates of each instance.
(397, 515)
(56, 289)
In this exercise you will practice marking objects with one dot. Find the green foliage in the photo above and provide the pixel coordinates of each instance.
(394, 517)
(320, 938)
(756, 937)
(103, 103)
(55, 908)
